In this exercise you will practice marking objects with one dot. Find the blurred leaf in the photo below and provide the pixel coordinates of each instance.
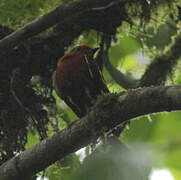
(168, 127)
(163, 132)
(178, 81)
(164, 128)
(62, 169)
(32, 140)
(176, 173)
(130, 63)
(125, 46)
(140, 129)
(173, 157)
(115, 163)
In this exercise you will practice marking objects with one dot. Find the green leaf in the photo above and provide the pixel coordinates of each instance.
(140, 129)
(126, 45)
(32, 139)
(114, 162)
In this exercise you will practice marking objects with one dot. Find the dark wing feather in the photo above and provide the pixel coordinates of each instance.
(96, 74)
(67, 99)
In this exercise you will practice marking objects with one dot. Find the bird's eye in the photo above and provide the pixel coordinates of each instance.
(78, 48)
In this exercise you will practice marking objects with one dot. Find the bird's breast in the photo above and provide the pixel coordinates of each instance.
(71, 74)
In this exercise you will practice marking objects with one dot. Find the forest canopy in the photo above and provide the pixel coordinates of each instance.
(139, 42)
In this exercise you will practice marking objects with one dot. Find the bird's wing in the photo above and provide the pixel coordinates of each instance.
(67, 99)
(95, 73)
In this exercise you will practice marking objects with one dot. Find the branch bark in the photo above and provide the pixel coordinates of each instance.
(109, 111)
(162, 66)
(120, 78)
(61, 14)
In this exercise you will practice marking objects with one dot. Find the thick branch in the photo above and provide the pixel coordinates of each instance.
(120, 78)
(61, 14)
(109, 111)
(162, 66)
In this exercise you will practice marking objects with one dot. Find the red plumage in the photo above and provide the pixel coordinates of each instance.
(78, 80)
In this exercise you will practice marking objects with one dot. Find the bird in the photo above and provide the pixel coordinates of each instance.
(78, 79)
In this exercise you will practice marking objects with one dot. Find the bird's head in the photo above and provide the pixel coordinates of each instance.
(80, 51)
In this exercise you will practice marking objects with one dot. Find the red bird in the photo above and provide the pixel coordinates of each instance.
(78, 79)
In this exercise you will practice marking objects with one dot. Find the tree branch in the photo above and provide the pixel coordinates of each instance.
(62, 14)
(120, 78)
(157, 71)
(162, 66)
(109, 111)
